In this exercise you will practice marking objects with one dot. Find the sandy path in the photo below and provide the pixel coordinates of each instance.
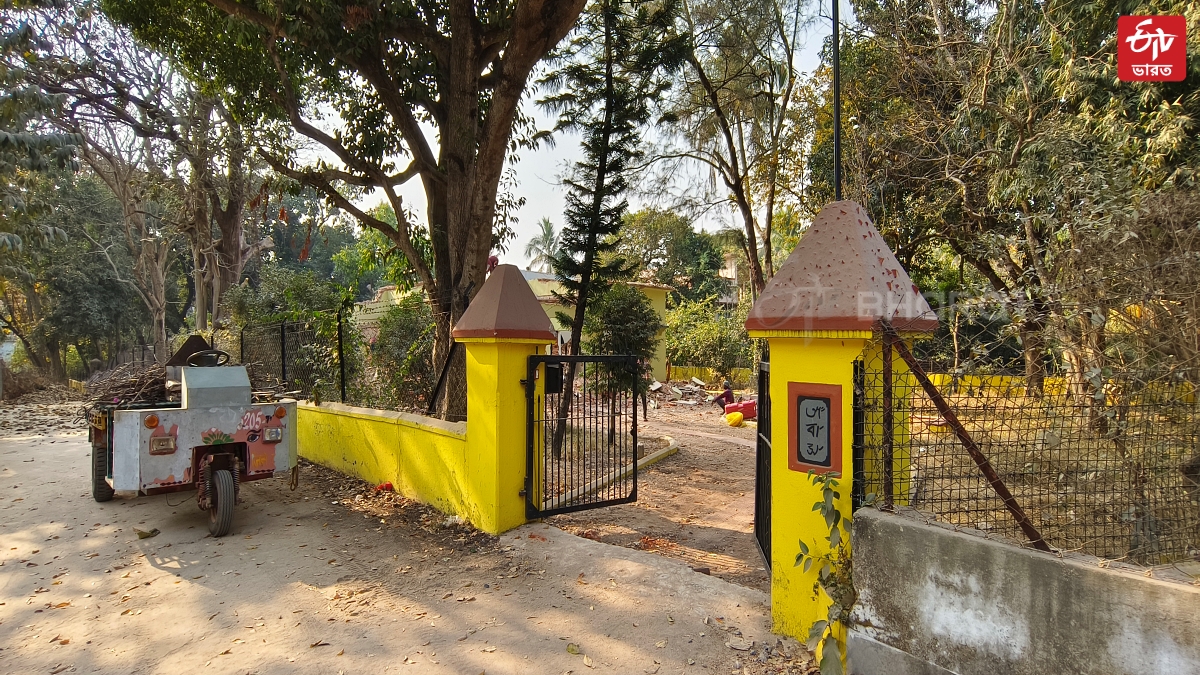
(377, 584)
(697, 506)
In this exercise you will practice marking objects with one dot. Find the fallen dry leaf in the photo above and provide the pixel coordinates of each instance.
(319, 643)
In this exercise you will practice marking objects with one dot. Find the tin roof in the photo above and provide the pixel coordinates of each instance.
(842, 276)
(505, 308)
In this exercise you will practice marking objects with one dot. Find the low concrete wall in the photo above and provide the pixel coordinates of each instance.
(935, 601)
(423, 458)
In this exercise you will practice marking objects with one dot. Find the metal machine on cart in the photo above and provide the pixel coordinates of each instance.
(212, 440)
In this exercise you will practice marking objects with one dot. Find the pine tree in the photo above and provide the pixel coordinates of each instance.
(615, 68)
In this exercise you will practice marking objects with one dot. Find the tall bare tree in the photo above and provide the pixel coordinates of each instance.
(117, 88)
(425, 91)
(736, 109)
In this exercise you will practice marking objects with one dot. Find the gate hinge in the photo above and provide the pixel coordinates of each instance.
(521, 492)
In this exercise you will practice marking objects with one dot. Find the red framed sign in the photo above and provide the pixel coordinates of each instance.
(815, 427)
(1151, 48)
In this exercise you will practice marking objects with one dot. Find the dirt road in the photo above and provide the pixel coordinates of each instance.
(697, 506)
(333, 579)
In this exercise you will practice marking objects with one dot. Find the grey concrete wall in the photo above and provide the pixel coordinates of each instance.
(933, 600)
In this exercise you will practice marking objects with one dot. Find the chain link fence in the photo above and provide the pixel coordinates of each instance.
(1088, 443)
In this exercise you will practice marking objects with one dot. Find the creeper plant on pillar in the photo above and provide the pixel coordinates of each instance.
(835, 576)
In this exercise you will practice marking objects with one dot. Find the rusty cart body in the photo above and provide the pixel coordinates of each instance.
(212, 440)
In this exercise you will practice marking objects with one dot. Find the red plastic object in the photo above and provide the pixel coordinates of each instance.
(385, 487)
(749, 409)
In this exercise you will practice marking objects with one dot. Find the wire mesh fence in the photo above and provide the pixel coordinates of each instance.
(1096, 448)
(390, 364)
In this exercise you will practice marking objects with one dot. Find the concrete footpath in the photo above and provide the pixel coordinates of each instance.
(312, 582)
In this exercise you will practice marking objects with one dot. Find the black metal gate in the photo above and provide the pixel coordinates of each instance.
(762, 471)
(581, 433)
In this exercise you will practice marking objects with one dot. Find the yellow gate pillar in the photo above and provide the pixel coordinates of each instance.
(818, 313)
(503, 327)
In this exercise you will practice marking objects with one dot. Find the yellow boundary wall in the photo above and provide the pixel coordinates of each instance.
(740, 377)
(1013, 386)
(423, 458)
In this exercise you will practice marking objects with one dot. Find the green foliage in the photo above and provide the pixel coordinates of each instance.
(835, 575)
(372, 260)
(282, 294)
(310, 235)
(704, 334)
(28, 145)
(997, 153)
(400, 359)
(621, 320)
(61, 292)
(664, 248)
(418, 90)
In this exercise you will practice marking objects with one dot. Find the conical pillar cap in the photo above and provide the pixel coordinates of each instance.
(505, 308)
(842, 276)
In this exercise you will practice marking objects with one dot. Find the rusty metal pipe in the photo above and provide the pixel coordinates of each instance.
(981, 460)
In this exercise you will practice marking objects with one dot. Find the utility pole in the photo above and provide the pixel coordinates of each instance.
(837, 104)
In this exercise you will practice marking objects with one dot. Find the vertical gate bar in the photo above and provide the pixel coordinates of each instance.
(981, 460)
(637, 379)
(283, 353)
(888, 422)
(858, 483)
(341, 358)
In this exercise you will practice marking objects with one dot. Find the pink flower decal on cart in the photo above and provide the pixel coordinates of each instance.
(215, 437)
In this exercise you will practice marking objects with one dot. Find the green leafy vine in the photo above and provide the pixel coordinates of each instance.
(835, 576)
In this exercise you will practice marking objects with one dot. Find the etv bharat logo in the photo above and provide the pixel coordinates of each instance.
(1151, 48)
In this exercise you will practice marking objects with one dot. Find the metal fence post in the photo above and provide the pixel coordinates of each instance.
(283, 353)
(889, 423)
(341, 357)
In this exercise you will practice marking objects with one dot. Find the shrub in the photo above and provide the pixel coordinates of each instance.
(703, 334)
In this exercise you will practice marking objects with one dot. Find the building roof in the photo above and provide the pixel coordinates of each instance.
(841, 276)
(505, 308)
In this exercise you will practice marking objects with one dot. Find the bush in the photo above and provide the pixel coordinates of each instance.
(703, 334)
(403, 351)
(395, 370)
(281, 294)
(621, 321)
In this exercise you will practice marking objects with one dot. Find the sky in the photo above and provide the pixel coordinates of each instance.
(539, 172)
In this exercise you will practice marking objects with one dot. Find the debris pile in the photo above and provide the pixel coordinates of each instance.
(680, 393)
(129, 383)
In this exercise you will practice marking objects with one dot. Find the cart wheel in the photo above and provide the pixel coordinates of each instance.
(101, 490)
(220, 516)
